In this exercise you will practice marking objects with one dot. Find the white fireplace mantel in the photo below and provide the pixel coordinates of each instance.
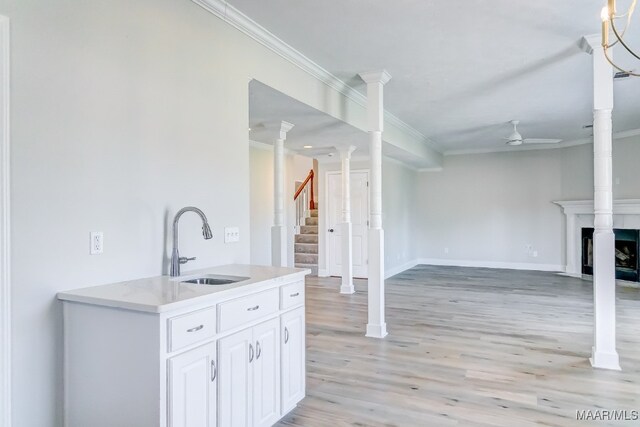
(579, 215)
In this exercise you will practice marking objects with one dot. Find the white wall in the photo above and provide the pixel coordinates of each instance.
(261, 190)
(122, 113)
(398, 210)
(261, 201)
(486, 208)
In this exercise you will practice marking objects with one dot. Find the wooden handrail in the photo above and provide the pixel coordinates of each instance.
(312, 204)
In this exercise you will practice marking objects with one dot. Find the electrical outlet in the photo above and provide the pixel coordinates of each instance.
(231, 234)
(446, 250)
(534, 254)
(97, 243)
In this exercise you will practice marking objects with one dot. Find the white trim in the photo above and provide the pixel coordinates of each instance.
(5, 261)
(492, 264)
(401, 268)
(248, 26)
(322, 272)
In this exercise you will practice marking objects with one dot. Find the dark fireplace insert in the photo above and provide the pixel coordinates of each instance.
(627, 247)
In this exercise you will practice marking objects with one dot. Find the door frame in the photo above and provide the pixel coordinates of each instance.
(5, 261)
(325, 212)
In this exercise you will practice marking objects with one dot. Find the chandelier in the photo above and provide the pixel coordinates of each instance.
(609, 17)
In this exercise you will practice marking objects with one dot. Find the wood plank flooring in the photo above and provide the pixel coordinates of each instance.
(466, 347)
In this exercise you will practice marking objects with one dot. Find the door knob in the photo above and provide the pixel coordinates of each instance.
(331, 230)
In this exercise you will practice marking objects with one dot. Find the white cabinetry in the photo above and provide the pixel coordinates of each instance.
(293, 358)
(249, 384)
(266, 373)
(234, 360)
(192, 388)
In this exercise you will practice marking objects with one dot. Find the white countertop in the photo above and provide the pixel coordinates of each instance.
(165, 293)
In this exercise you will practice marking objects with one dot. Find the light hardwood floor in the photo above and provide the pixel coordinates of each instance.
(466, 347)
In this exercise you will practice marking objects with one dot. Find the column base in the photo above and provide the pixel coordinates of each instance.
(602, 360)
(347, 290)
(376, 331)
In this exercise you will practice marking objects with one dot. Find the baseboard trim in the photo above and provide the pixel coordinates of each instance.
(493, 264)
(399, 269)
(323, 272)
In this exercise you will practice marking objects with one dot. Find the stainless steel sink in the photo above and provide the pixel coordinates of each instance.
(215, 280)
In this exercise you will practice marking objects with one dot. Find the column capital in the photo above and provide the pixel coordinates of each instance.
(381, 77)
(345, 151)
(590, 43)
(284, 128)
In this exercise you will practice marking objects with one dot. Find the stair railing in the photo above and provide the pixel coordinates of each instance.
(304, 199)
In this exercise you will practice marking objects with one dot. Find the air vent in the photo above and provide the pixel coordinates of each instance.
(621, 75)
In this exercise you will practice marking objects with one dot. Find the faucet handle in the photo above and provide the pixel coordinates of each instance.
(184, 260)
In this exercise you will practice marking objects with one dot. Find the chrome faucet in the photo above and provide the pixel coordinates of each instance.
(176, 259)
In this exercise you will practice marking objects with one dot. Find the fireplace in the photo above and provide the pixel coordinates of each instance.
(627, 247)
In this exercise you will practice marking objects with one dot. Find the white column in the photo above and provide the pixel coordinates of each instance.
(279, 230)
(346, 234)
(376, 326)
(604, 354)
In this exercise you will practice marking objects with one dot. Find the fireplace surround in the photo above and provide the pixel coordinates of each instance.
(579, 215)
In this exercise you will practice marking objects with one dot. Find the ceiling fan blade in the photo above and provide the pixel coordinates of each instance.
(541, 141)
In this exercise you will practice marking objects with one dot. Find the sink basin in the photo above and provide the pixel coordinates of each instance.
(215, 280)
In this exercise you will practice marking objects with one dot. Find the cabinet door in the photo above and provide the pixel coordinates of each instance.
(192, 388)
(234, 379)
(266, 373)
(292, 337)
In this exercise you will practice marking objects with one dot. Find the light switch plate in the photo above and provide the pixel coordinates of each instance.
(231, 234)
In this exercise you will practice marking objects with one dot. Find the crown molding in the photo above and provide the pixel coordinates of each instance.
(381, 76)
(590, 43)
(248, 26)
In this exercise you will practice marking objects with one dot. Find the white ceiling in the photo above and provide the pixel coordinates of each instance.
(269, 107)
(461, 70)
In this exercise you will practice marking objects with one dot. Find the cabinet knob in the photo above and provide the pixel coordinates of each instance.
(250, 353)
(214, 371)
(331, 230)
(286, 335)
(254, 308)
(258, 350)
(196, 329)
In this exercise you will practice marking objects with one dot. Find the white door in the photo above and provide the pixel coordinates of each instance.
(293, 358)
(234, 379)
(192, 388)
(266, 373)
(359, 222)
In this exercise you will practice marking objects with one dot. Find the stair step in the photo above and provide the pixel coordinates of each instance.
(311, 220)
(314, 213)
(312, 267)
(306, 258)
(307, 238)
(306, 248)
(309, 229)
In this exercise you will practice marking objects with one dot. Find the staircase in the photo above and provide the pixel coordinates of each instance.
(306, 246)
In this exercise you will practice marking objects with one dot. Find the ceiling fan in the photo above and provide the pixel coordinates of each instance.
(516, 139)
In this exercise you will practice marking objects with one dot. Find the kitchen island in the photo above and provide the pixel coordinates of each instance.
(165, 352)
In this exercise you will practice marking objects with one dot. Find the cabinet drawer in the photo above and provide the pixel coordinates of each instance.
(191, 328)
(292, 295)
(236, 312)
